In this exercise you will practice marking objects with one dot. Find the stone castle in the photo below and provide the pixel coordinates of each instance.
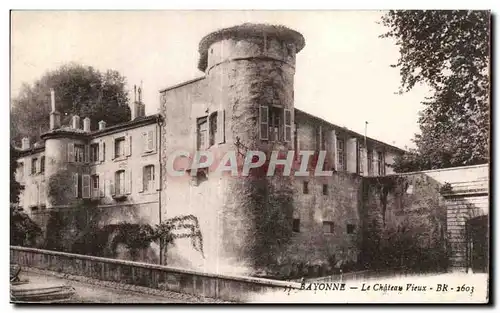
(244, 101)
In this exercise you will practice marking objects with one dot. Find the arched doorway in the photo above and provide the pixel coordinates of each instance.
(478, 244)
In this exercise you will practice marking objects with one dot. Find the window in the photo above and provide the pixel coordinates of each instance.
(79, 153)
(264, 122)
(380, 163)
(202, 133)
(213, 128)
(94, 152)
(149, 142)
(86, 186)
(148, 178)
(296, 225)
(351, 228)
(328, 227)
(120, 182)
(341, 154)
(104, 151)
(370, 162)
(305, 187)
(119, 147)
(288, 125)
(325, 189)
(275, 123)
(42, 164)
(95, 186)
(33, 166)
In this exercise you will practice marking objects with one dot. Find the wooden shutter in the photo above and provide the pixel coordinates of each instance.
(264, 122)
(127, 145)
(75, 184)
(86, 186)
(101, 186)
(150, 141)
(128, 182)
(71, 152)
(112, 189)
(101, 151)
(86, 156)
(288, 126)
(157, 176)
(140, 179)
(129, 139)
(220, 127)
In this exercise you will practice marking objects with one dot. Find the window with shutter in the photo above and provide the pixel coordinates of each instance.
(119, 147)
(34, 168)
(94, 153)
(119, 184)
(202, 133)
(79, 152)
(288, 126)
(149, 178)
(264, 122)
(86, 186)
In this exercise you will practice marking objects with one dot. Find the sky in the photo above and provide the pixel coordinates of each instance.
(343, 74)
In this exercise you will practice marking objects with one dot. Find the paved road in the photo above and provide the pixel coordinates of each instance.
(88, 293)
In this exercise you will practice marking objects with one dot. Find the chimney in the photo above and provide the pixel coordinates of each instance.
(55, 117)
(25, 143)
(86, 124)
(52, 100)
(135, 110)
(102, 125)
(76, 121)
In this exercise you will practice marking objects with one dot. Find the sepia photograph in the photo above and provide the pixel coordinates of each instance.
(233, 157)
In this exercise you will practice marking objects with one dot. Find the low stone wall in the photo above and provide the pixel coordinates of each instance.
(225, 287)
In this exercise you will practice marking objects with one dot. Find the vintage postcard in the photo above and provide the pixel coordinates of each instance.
(250, 156)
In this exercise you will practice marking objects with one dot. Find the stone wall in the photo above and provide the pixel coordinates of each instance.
(224, 287)
(404, 223)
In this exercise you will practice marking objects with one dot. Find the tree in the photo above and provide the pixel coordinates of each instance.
(79, 89)
(15, 186)
(449, 51)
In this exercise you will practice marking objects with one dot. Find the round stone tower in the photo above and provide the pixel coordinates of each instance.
(250, 72)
